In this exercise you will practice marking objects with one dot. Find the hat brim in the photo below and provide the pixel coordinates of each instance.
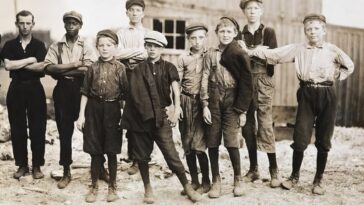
(154, 42)
(72, 17)
(190, 30)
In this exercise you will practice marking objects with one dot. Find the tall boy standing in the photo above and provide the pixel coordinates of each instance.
(67, 61)
(26, 102)
(131, 51)
(318, 65)
(225, 97)
(263, 139)
(191, 126)
(145, 113)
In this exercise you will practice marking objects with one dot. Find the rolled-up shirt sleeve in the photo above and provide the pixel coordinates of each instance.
(87, 80)
(204, 95)
(285, 54)
(52, 56)
(89, 55)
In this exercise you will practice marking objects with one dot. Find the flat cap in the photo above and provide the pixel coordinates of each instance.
(314, 17)
(155, 37)
(74, 15)
(195, 26)
(232, 19)
(244, 2)
(108, 33)
(130, 3)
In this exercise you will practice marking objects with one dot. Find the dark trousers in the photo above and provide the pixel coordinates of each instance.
(143, 147)
(67, 97)
(316, 106)
(27, 108)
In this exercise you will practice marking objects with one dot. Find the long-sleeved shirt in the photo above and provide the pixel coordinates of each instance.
(315, 64)
(189, 67)
(105, 80)
(214, 72)
(81, 51)
(131, 40)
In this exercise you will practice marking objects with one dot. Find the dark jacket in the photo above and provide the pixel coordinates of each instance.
(237, 62)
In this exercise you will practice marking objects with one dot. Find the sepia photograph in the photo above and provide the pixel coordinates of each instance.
(181, 102)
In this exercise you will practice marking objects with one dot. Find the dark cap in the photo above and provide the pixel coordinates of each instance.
(73, 15)
(194, 27)
(310, 17)
(108, 33)
(130, 3)
(155, 37)
(232, 19)
(244, 2)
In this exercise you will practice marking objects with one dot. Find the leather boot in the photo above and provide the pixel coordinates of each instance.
(193, 195)
(317, 186)
(22, 171)
(112, 194)
(274, 182)
(92, 193)
(238, 187)
(215, 190)
(66, 179)
(252, 175)
(291, 181)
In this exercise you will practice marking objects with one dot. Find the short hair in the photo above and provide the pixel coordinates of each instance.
(24, 13)
(323, 24)
(224, 22)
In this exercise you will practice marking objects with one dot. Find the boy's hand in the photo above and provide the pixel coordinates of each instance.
(32, 60)
(242, 119)
(77, 64)
(181, 114)
(207, 115)
(243, 45)
(80, 123)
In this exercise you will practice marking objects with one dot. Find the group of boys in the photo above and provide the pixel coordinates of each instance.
(215, 91)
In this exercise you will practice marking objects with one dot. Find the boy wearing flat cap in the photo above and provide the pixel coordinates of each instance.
(226, 90)
(131, 51)
(191, 126)
(103, 87)
(66, 61)
(318, 65)
(145, 113)
(255, 33)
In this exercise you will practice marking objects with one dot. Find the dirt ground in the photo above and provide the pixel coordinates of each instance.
(343, 179)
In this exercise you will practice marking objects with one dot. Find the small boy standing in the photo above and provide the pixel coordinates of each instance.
(263, 139)
(191, 126)
(225, 97)
(103, 87)
(145, 113)
(318, 64)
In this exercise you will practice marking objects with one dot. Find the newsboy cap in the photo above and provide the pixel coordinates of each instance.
(155, 37)
(195, 26)
(244, 2)
(73, 15)
(314, 17)
(108, 33)
(130, 3)
(232, 19)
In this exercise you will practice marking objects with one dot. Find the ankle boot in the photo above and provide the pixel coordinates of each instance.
(193, 195)
(148, 195)
(238, 187)
(92, 193)
(112, 194)
(291, 181)
(66, 179)
(317, 186)
(215, 190)
(274, 182)
(252, 175)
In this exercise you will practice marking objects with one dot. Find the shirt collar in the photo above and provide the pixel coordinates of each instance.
(132, 27)
(246, 30)
(157, 62)
(190, 53)
(79, 40)
(19, 40)
(321, 45)
(112, 61)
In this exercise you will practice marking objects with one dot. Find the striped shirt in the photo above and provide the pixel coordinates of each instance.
(131, 42)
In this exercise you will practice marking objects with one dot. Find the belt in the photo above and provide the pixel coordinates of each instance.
(25, 81)
(315, 85)
(102, 99)
(195, 96)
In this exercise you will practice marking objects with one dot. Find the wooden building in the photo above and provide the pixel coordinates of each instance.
(285, 16)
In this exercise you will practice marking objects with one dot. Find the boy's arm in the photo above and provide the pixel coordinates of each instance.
(345, 62)
(180, 68)
(36, 67)
(177, 103)
(124, 84)
(272, 43)
(285, 54)
(81, 117)
(204, 96)
(18, 64)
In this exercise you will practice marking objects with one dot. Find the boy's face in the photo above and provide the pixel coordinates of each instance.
(226, 34)
(72, 26)
(154, 51)
(253, 11)
(106, 47)
(197, 39)
(315, 31)
(135, 14)
(25, 25)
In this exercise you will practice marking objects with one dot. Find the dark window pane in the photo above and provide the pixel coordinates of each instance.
(157, 25)
(170, 41)
(181, 27)
(180, 42)
(169, 26)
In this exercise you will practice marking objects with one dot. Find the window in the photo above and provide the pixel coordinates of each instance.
(174, 30)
